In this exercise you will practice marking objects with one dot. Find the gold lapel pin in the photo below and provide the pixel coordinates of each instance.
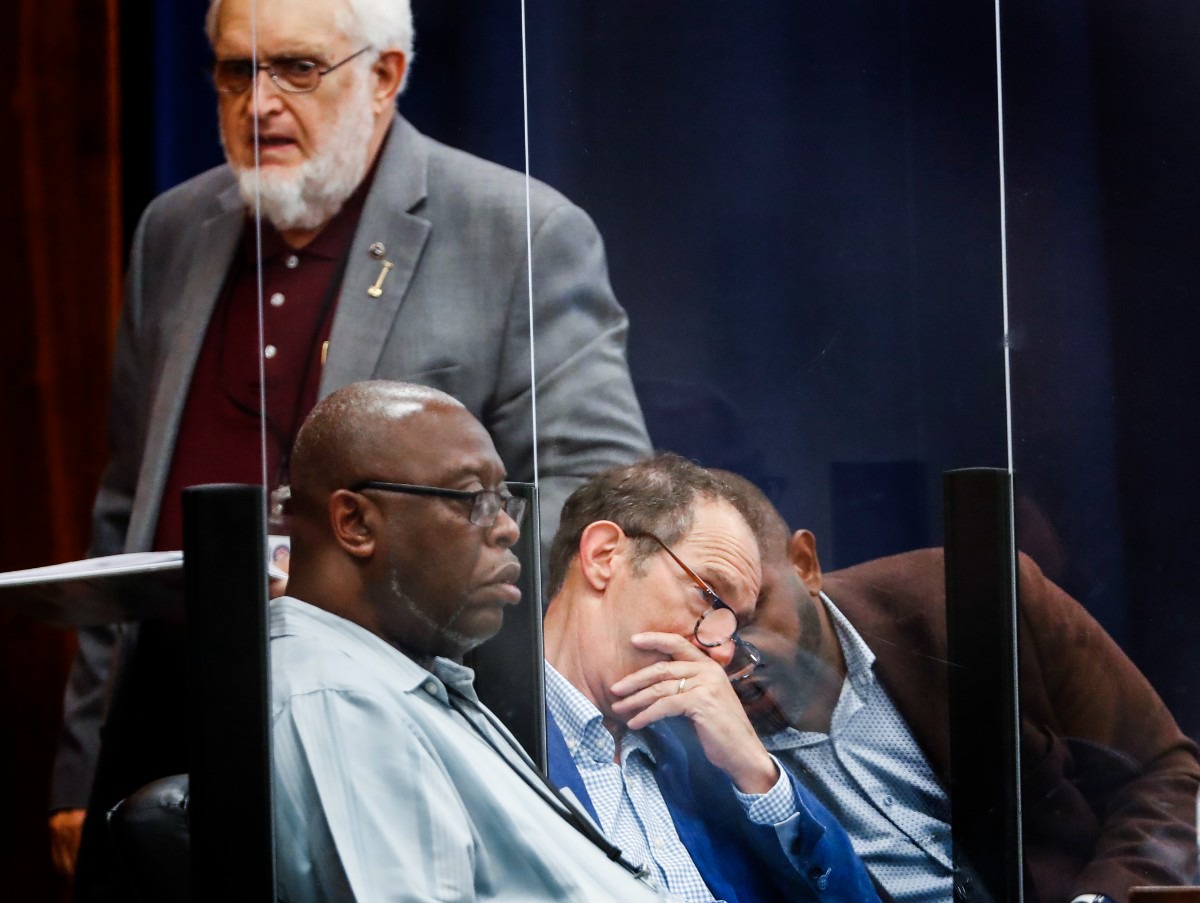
(377, 289)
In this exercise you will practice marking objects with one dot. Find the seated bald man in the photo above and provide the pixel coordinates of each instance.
(854, 695)
(392, 781)
(651, 572)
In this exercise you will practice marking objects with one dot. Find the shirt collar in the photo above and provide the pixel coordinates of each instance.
(456, 676)
(858, 655)
(371, 650)
(860, 662)
(582, 724)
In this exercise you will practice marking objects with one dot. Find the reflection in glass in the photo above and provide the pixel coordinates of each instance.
(1101, 188)
(805, 225)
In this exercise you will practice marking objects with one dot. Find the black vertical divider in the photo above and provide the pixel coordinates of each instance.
(225, 595)
(985, 790)
(509, 673)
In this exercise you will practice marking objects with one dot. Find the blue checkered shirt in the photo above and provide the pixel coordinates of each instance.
(871, 774)
(630, 806)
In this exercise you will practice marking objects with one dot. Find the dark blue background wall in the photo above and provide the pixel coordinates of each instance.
(801, 206)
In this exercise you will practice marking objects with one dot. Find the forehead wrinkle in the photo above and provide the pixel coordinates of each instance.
(288, 49)
(280, 32)
(468, 462)
(299, 50)
(729, 568)
(722, 551)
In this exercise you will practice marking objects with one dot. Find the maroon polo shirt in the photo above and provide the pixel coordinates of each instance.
(219, 437)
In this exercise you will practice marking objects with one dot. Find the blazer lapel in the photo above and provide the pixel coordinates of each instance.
(199, 290)
(363, 323)
(698, 799)
(562, 767)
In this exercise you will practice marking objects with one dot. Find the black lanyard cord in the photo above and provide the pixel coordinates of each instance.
(568, 812)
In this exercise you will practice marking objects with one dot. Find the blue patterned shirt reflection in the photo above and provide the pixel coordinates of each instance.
(871, 774)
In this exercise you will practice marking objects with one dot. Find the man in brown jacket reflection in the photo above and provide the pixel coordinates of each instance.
(855, 700)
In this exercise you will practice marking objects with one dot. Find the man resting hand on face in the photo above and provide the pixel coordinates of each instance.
(652, 571)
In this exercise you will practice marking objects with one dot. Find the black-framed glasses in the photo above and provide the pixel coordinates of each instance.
(718, 625)
(291, 74)
(486, 504)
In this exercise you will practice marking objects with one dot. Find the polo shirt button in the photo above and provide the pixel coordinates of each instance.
(292, 262)
(430, 688)
(888, 800)
(277, 299)
(269, 352)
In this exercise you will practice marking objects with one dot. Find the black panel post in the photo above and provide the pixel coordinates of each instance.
(510, 676)
(225, 594)
(985, 788)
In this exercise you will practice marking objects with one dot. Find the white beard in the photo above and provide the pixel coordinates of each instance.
(309, 195)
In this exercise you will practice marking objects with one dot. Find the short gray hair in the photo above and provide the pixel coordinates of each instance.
(657, 495)
(378, 24)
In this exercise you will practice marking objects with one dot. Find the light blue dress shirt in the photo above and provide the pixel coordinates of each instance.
(384, 792)
(871, 774)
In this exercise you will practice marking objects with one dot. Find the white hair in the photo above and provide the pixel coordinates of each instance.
(378, 24)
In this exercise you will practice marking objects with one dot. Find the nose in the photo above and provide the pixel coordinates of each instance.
(722, 654)
(504, 532)
(267, 94)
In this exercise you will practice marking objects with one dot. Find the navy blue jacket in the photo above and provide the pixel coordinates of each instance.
(741, 862)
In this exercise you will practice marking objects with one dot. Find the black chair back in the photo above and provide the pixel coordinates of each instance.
(150, 829)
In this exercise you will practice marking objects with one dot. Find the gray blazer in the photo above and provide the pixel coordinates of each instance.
(454, 314)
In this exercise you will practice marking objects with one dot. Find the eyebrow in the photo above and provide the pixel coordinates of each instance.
(716, 581)
(472, 472)
(724, 588)
(295, 52)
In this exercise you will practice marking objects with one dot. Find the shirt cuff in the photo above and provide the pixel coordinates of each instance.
(775, 806)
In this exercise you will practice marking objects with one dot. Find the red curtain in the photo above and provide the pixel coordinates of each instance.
(60, 257)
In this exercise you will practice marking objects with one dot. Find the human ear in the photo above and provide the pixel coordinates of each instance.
(354, 520)
(802, 550)
(598, 546)
(389, 72)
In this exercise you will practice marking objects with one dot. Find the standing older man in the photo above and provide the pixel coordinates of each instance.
(653, 569)
(393, 782)
(384, 254)
(854, 697)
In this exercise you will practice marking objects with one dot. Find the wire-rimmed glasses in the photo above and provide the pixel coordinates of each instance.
(295, 75)
(486, 504)
(718, 625)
